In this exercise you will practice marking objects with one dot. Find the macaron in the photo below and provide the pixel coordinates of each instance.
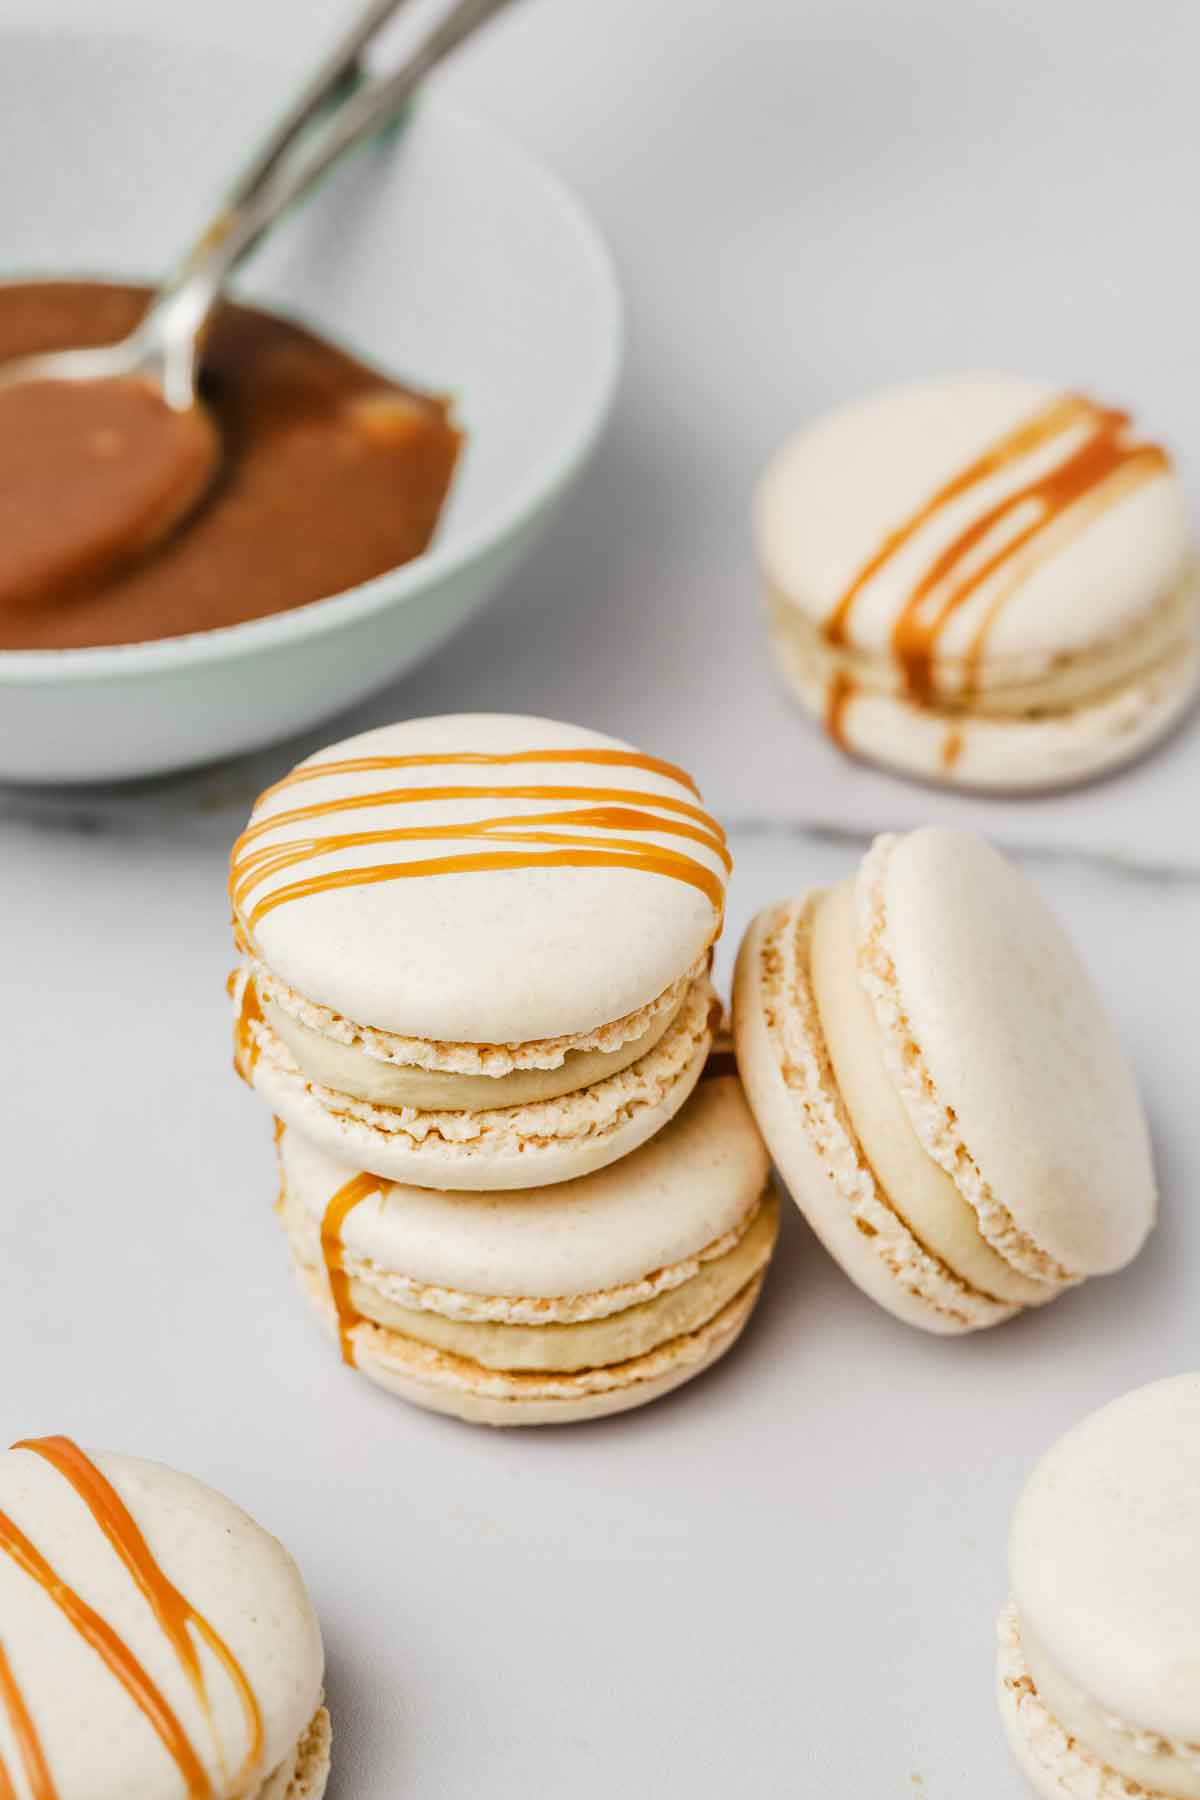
(475, 949)
(547, 1305)
(155, 1643)
(984, 581)
(1100, 1643)
(939, 1084)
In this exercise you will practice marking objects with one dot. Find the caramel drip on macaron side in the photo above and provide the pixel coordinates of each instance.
(537, 839)
(1087, 473)
(99, 1635)
(245, 1050)
(173, 1610)
(33, 1759)
(841, 692)
(347, 1197)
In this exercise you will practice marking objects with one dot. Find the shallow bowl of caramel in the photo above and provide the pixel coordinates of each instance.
(408, 379)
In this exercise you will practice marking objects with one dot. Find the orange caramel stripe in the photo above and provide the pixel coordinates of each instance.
(656, 862)
(99, 1635)
(1103, 455)
(245, 1050)
(373, 765)
(337, 1212)
(173, 1610)
(29, 1744)
(841, 692)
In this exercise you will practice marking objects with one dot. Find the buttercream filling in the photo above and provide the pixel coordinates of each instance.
(1097, 1754)
(1013, 690)
(349, 1069)
(921, 1193)
(600, 1342)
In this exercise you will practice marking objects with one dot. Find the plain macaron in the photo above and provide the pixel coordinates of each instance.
(155, 1643)
(985, 581)
(940, 1086)
(550, 1305)
(1099, 1652)
(475, 949)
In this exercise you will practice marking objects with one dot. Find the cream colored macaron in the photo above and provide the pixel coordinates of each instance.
(476, 949)
(1099, 1660)
(155, 1643)
(550, 1305)
(940, 1086)
(984, 581)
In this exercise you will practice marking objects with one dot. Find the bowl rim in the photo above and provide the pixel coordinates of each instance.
(550, 473)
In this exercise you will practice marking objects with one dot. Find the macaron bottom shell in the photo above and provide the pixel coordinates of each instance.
(1055, 1761)
(463, 1389)
(1032, 749)
(500, 1148)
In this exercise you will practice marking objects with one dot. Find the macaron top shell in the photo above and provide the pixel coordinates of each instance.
(98, 1741)
(1105, 1557)
(617, 895)
(697, 1180)
(833, 496)
(1002, 1049)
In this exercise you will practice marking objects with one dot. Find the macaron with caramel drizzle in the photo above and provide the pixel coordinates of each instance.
(940, 1086)
(475, 949)
(551, 1305)
(155, 1643)
(987, 582)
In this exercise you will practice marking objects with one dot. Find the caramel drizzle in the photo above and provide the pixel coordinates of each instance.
(99, 1635)
(347, 1197)
(29, 1744)
(245, 1047)
(841, 692)
(376, 765)
(1091, 467)
(539, 839)
(173, 1610)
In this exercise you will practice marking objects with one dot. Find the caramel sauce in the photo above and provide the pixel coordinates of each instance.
(245, 1050)
(841, 692)
(610, 809)
(377, 765)
(347, 1197)
(173, 1610)
(1088, 474)
(99, 1635)
(33, 1760)
(952, 747)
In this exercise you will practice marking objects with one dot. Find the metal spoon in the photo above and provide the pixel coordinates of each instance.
(328, 118)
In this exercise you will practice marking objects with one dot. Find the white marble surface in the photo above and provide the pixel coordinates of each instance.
(785, 1579)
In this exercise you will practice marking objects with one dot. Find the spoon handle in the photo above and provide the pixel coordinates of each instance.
(328, 118)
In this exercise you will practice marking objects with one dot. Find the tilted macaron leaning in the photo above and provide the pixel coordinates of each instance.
(984, 581)
(155, 1643)
(549, 1305)
(940, 1086)
(1100, 1644)
(476, 949)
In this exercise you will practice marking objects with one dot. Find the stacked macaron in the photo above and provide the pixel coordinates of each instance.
(940, 1086)
(475, 956)
(155, 1643)
(984, 581)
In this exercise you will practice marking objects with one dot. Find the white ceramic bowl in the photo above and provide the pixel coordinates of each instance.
(448, 257)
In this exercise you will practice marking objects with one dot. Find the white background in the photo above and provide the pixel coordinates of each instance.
(783, 1581)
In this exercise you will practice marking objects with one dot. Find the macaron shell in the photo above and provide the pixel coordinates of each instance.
(1002, 1051)
(695, 1182)
(992, 752)
(306, 1775)
(1105, 1557)
(833, 495)
(800, 1115)
(507, 1148)
(1054, 1769)
(501, 955)
(98, 1743)
(478, 1396)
